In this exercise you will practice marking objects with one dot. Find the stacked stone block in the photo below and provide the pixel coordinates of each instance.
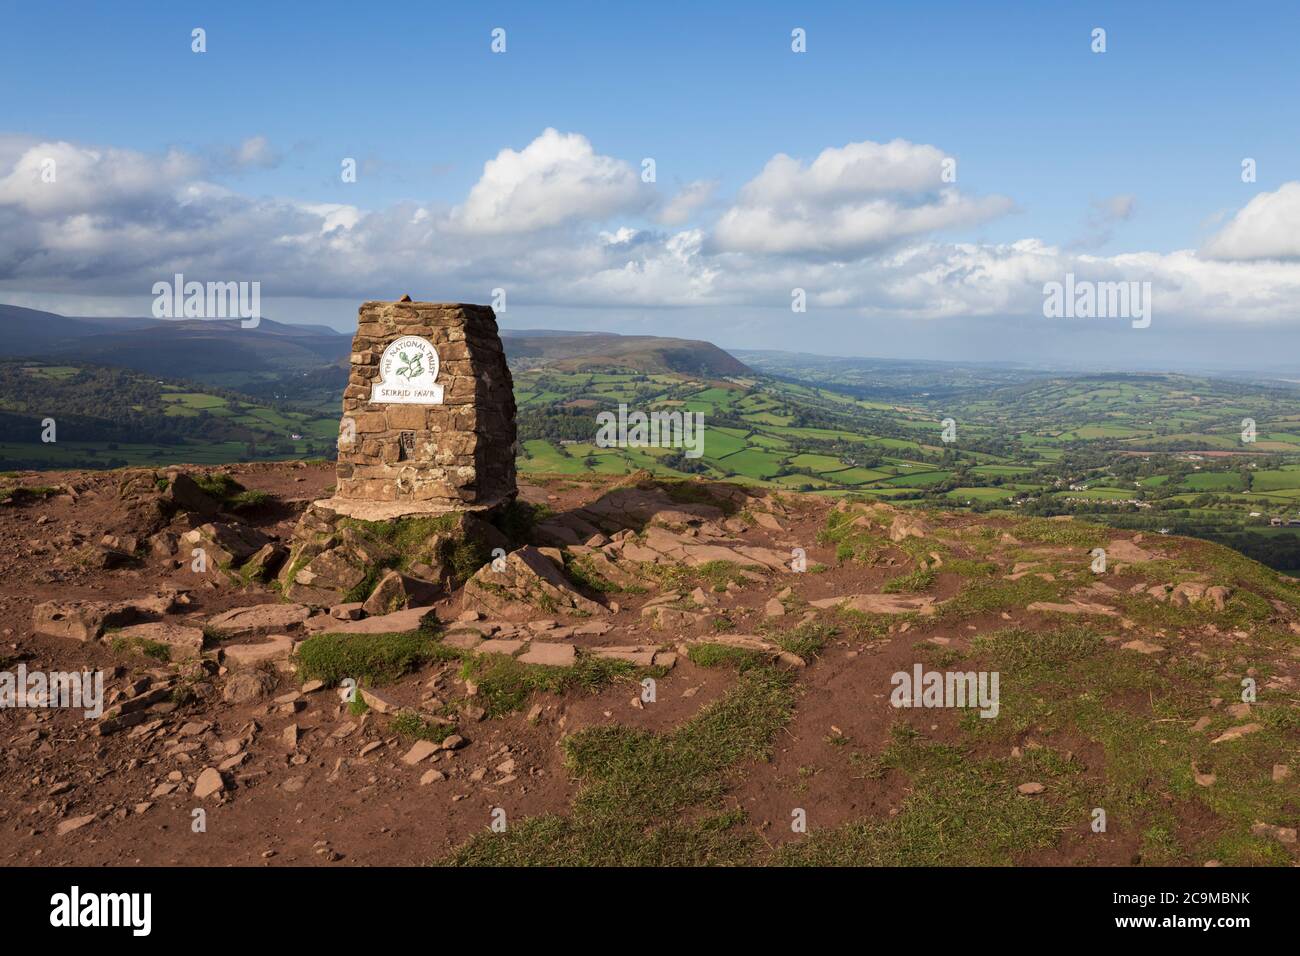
(456, 455)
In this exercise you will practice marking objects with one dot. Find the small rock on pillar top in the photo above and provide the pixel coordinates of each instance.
(428, 415)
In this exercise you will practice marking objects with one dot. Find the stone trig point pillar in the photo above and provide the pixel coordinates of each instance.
(428, 415)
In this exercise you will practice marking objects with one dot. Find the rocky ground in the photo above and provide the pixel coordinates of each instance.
(628, 671)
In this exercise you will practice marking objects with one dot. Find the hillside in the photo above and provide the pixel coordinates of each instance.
(1156, 452)
(185, 348)
(1161, 453)
(660, 681)
(599, 351)
(222, 351)
(111, 417)
(34, 332)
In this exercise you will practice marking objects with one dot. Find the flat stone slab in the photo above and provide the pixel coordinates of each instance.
(642, 655)
(549, 655)
(78, 620)
(508, 648)
(746, 642)
(86, 620)
(1142, 647)
(482, 628)
(463, 640)
(74, 823)
(183, 642)
(1236, 733)
(259, 619)
(1122, 549)
(879, 603)
(419, 751)
(320, 622)
(555, 634)
(399, 622)
(1074, 607)
(208, 783)
(277, 648)
(378, 701)
(388, 510)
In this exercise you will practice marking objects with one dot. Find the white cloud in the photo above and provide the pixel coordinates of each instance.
(692, 197)
(851, 201)
(89, 180)
(849, 231)
(557, 224)
(1267, 228)
(256, 152)
(338, 216)
(848, 172)
(557, 178)
(112, 221)
(622, 236)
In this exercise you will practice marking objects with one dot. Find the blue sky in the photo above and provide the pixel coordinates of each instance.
(1136, 151)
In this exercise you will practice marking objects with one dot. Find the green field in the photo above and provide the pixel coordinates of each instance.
(1156, 452)
(109, 418)
(1128, 450)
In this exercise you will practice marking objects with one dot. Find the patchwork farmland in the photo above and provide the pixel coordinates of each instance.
(1148, 452)
(1157, 452)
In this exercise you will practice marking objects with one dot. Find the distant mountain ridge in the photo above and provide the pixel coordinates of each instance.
(198, 347)
(173, 347)
(582, 351)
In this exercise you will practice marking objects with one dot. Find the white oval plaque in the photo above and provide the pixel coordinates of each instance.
(406, 374)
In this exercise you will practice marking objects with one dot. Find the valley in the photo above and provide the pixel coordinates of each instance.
(1156, 452)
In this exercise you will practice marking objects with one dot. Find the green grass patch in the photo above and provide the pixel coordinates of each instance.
(247, 500)
(865, 626)
(968, 568)
(650, 799)
(579, 570)
(1072, 533)
(715, 575)
(219, 485)
(412, 726)
(962, 811)
(982, 596)
(1139, 710)
(505, 684)
(806, 640)
(722, 655)
(919, 580)
(437, 540)
(372, 659)
(854, 540)
(152, 649)
(16, 494)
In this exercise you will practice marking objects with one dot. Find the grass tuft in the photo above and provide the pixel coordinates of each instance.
(372, 659)
(650, 799)
(505, 684)
(962, 811)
